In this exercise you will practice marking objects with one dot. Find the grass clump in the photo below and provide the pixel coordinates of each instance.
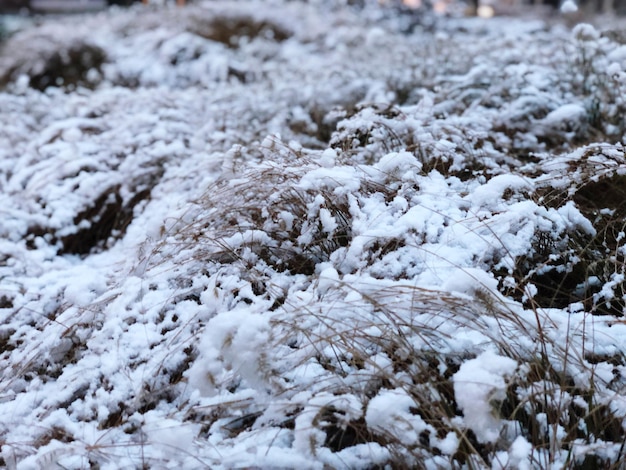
(359, 365)
(373, 373)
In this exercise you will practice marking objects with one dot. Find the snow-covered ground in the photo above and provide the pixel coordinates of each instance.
(271, 234)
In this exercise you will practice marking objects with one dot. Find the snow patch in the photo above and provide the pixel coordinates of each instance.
(479, 386)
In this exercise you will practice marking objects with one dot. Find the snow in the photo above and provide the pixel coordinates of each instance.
(569, 6)
(585, 32)
(389, 412)
(567, 111)
(327, 237)
(478, 386)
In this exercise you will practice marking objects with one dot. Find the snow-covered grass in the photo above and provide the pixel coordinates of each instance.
(304, 235)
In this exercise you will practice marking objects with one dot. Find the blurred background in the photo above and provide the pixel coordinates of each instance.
(483, 8)
(16, 14)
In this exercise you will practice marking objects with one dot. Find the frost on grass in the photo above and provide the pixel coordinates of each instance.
(240, 235)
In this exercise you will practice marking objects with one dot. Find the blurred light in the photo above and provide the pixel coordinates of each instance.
(440, 7)
(413, 4)
(485, 11)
